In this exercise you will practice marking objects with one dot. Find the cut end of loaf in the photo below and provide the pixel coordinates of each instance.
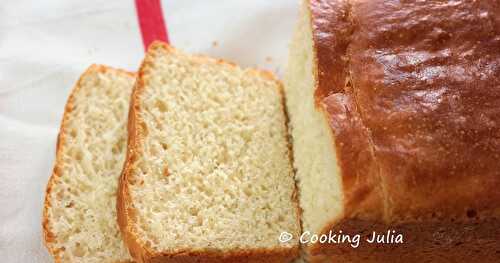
(220, 133)
(79, 219)
(317, 173)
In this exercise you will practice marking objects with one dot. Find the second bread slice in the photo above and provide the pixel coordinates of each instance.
(79, 216)
(208, 176)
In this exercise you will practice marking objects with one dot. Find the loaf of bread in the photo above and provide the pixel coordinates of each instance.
(208, 175)
(395, 116)
(79, 219)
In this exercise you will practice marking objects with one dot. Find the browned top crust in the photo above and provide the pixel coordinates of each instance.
(412, 93)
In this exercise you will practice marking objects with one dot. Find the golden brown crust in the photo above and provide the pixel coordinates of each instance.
(411, 90)
(436, 241)
(126, 213)
(48, 235)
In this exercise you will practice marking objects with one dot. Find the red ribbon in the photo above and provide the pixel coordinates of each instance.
(151, 22)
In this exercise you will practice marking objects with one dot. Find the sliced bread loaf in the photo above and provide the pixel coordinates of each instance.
(79, 219)
(395, 117)
(208, 176)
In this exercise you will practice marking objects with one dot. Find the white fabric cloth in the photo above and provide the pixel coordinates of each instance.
(46, 45)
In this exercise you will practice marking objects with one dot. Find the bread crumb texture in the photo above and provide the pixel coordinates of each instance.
(80, 214)
(213, 170)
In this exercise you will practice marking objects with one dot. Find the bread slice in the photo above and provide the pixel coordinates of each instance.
(208, 176)
(79, 219)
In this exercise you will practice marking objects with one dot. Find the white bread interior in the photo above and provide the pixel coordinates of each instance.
(212, 169)
(317, 172)
(80, 207)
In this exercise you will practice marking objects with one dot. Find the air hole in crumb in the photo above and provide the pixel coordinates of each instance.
(132, 180)
(59, 195)
(193, 211)
(114, 150)
(164, 146)
(161, 106)
(144, 128)
(471, 213)
(78, 156)
(79, 251)
(247, 192)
